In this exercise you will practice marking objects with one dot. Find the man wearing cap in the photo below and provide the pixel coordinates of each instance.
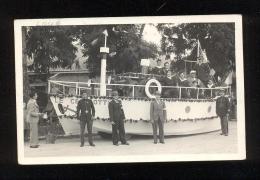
(222, 110)
(158, 117)
(117, 117)
(85, 113)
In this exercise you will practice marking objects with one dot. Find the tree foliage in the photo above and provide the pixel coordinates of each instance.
(218, 39)
(50, 46)
(125, 45)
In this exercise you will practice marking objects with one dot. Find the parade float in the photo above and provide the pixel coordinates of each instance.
(184, 115)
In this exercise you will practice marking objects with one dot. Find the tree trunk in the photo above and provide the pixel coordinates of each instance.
(26, 87)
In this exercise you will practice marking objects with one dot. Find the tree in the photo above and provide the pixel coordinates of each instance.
(26, 87)
(218, 39)
(125, 44)
(50, 46)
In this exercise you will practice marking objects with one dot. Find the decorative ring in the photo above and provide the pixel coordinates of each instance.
(147, 85)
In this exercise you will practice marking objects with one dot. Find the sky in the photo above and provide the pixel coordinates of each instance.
(151, 34)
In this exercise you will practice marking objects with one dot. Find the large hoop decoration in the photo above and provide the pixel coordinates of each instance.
(147, 85)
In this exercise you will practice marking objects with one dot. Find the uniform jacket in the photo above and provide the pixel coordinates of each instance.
(32, 111)
(158, 110)
(222, 106)
(85, 109)
(116, 112)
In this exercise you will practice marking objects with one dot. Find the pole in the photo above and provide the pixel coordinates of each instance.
(103, 75)
(103, 88)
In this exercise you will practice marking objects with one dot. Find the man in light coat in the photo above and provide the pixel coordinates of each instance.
(33, 115)
(158, 117)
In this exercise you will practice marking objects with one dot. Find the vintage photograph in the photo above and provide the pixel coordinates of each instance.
(130, 89)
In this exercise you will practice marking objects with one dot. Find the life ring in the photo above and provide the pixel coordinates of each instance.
(147, 85)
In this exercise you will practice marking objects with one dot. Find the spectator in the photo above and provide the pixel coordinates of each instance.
(33, 115)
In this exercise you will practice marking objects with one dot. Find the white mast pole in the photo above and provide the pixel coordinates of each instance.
(103, 68)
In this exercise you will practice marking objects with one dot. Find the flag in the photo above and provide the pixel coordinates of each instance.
(105, 32)
(94, 42)
(201, 54)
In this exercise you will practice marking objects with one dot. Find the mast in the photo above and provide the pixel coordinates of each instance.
(104, 50)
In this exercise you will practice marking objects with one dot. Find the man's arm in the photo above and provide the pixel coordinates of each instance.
(151, 112)
(111, 111)
(92, 108)
(164, 111)
(78, 109)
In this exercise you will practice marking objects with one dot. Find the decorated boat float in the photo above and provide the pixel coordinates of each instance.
(184, 115)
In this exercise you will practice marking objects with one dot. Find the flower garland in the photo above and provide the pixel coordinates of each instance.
(139, 98)
(148, 121)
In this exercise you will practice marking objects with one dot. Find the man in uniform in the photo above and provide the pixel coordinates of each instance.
(222, 110)
(117, 117)
(85, 113)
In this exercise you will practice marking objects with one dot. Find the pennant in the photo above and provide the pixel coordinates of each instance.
(105, 32)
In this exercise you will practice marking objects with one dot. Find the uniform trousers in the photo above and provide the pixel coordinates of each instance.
(83, 123)
(118, 132)
(158, 124)
(224, 124)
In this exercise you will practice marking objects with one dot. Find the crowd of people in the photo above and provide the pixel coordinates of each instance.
(197, 83)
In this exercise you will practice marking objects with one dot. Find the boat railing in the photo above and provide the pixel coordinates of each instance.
(94, 89)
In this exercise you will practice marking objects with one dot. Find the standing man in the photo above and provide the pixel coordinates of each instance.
(33, 115)
(222, 110)
(158, 117)
(117, 117)
(85, 113)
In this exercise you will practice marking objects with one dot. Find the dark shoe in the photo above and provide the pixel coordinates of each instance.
(36, 146)
(125, 143)
(81, 145)
(221, 133)
(115, 144)
(92, 144)
(162, 142)
(155, 142)
(225, 134)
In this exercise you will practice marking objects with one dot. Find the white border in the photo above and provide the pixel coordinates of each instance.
(237, 19)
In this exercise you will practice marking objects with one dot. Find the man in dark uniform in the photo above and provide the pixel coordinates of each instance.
(117, 117)
(85, 113)
(222, 110)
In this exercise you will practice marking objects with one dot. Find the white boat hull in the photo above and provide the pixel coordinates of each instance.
(183, 117)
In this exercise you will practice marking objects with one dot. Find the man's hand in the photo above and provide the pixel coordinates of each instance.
(113, 122)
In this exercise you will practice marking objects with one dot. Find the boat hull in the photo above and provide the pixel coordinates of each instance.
(183, 117)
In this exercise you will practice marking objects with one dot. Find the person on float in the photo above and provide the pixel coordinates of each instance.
(158, 116)
(210, 93)
(117, 117)
(223, 110)
(183, 82)
(158, 69)
(86, 114)
(33, 115)
(166, 68)
(196, 83)
(169, 81)
(203, 71)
